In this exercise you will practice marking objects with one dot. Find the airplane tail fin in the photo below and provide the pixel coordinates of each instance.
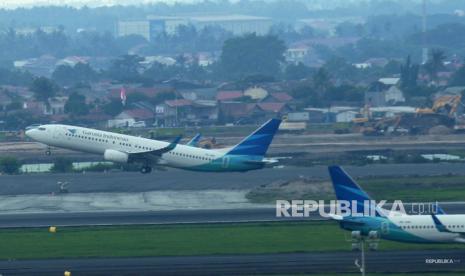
(348, 190)
(258, 142)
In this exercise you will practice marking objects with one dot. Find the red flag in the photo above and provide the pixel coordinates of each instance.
(122, 95)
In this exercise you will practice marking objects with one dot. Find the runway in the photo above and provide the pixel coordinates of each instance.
(175, 179)
(285, 264)
(238, 215)
(140, 217)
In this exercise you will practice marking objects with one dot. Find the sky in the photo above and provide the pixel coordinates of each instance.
(11, 4)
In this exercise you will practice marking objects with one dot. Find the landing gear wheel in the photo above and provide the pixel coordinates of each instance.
(146, 169)
(48, 152)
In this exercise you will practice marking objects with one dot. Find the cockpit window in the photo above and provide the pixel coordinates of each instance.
(41, 128)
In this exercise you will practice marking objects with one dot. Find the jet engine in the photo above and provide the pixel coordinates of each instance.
(115, 156)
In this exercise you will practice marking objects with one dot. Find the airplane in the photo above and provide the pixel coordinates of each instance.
(248, 155)
(394, 225)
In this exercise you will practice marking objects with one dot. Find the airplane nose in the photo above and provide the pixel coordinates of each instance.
(30, 133)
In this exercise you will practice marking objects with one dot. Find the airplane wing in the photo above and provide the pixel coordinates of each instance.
(153, 155)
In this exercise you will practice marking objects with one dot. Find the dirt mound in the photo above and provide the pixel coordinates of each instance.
(300, 188)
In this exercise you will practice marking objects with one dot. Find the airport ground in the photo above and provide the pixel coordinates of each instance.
(212, 249)
(316, 145)
(175, 222)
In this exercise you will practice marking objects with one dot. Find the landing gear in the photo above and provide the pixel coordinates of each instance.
(48, 152)
(146, 169)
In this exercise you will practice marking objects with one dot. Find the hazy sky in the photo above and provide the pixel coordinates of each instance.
(79, 3)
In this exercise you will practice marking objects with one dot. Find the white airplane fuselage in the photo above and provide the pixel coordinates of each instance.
(119, 147)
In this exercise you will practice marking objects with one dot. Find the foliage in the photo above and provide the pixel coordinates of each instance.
(43, 88)
(409, 74)
(435, 63)
(458, 79)
(297, 71)
(76, 105)
(19, 120)
(113, 108)
(251, 55)
(62, 165)
(125, 68)
(15, 77)
(9, 165)
(69, 75)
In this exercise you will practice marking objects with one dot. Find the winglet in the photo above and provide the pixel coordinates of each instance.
(441, 227)
(195, 140)
(175, 142)
(439, 210)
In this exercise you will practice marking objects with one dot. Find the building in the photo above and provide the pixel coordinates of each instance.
(236, 24)
(384, 91)
(186, 112)
(129, 117)
(152, 26)
(134, 27)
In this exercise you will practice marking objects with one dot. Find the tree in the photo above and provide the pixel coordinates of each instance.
(321, 81)
(76, 105)
(252, 55)
(62, 165)
(125, 68)
(435, 63)
(409, 74)
(9, 165)
(43, 88)
(113, 108)
(68, 75)
(297, 71)
(458, 79)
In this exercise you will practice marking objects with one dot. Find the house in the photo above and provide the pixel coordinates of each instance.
(237, 112)
(340, 114)
(276, 109)
(297, 54)
(42, 66)
(56, 105)
(384, 91)
(394, 95)
(278, 97)
(346, 116)
(199, 94)
(127, 118)
(182, 111)
(223, 96)
(256, 93)
(35, 108)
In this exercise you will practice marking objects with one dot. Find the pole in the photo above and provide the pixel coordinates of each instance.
(362, 242)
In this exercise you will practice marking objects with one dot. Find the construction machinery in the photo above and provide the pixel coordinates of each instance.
(441, 117)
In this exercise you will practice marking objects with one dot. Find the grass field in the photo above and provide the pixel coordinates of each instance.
(408, 189)
(433, 188)
(175, 240)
